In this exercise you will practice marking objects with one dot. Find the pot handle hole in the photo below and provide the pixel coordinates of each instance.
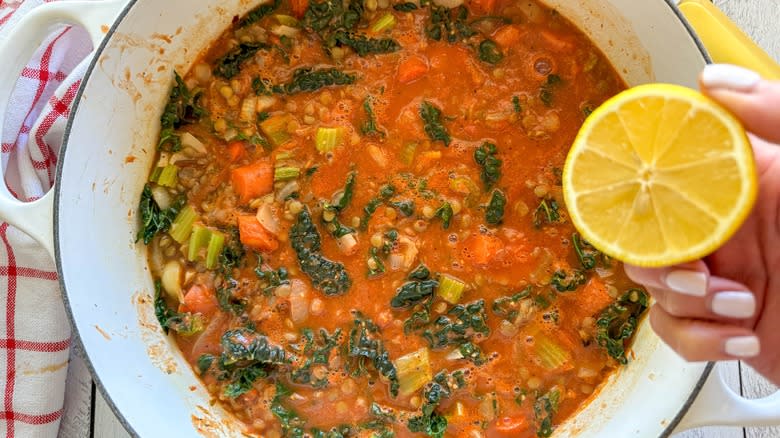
(16, 49)
(719, 405)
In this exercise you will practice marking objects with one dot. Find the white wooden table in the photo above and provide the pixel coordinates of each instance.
(89, 415)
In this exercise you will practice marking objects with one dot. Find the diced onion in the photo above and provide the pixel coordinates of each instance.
(171, 280)
(162, 197)
(189, 141)
(267, 218)
(248, 108)
(348, 243)
(604, 273)
(395, 261)
(287, 190)
(283, 30)
(299, 301)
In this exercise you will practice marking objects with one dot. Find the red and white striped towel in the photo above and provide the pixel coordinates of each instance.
(35, 337)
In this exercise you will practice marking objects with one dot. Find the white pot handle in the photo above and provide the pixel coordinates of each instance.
(36, 218)
(718, 405)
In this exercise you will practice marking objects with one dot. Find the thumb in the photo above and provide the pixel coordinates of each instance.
(753, 100)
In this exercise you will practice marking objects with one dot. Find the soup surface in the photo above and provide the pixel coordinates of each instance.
(356, 227)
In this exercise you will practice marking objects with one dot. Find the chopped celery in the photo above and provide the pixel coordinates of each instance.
(216, 242)
(328, 139)
(286, 20)
(385, 22)
(450, 288)
(458, 411)
(414, 371)
(407, 153)
(155, 176)
(182, 225)
(275, 128)
(551, 354)
(286, 173)
(198, 239)
(168, 176)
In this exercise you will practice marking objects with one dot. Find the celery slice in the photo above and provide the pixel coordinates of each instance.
(414, 371)
(216, 242)
(328, 139)
(385, 22)
(407, 153)
(551, 354)
(286, 20)
(286, 173)
(451, 288)
(198, 239)
(275, 128)
(155, 176)
(168, 176)
(182, 225)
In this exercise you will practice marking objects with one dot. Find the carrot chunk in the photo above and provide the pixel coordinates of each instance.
(236, 150)
(199, 299)
(483, 6)
(411, 69)
(593, 297)
(299, 7)
(254, 235)
(482, 248)
(507, 36)
(253, 181)
(511, 426)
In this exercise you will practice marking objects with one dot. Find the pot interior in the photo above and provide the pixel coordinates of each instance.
(106, 159)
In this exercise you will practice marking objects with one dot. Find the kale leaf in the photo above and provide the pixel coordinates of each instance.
(494, 213)
(336, 24)
(431, 116)
(458, 328)
(445, 213)
(588, 256)
(182, 109)
(366, 347)
(489, 52)
(258, 13)
(370, 127)
(567, 282)
(509, 307)
(328, 276)
(229, 65)
(317, 352)
(154, 219)
(441, 387)
(618, 322)
(547, 89)
(485, 156)
(450, 24)
(419, 289)
(546, 213)
(247, 356)
(346, 195)
(405, 7)
(545, 407)
(307, 79)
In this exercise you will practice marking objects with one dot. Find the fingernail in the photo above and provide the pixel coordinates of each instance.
(687, 282)
(743, 346)
(729, 77)
(734, 304)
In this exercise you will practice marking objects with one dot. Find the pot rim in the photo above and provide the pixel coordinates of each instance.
(76, 338)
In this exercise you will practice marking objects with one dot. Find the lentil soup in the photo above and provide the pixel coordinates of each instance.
(356, 228)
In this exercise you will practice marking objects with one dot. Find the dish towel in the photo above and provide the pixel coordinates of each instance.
(35, 335)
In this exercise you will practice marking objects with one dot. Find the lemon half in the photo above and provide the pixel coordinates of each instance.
(658, 175)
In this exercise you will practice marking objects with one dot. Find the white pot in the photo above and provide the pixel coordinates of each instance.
(89, 221)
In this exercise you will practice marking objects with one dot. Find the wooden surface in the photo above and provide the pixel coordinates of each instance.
(760, 19)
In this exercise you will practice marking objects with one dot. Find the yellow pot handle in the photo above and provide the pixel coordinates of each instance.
(725, 42)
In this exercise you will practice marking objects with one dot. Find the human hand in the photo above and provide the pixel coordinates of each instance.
(727, 306)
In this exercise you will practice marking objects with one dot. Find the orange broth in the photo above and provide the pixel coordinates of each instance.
(536, 351)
